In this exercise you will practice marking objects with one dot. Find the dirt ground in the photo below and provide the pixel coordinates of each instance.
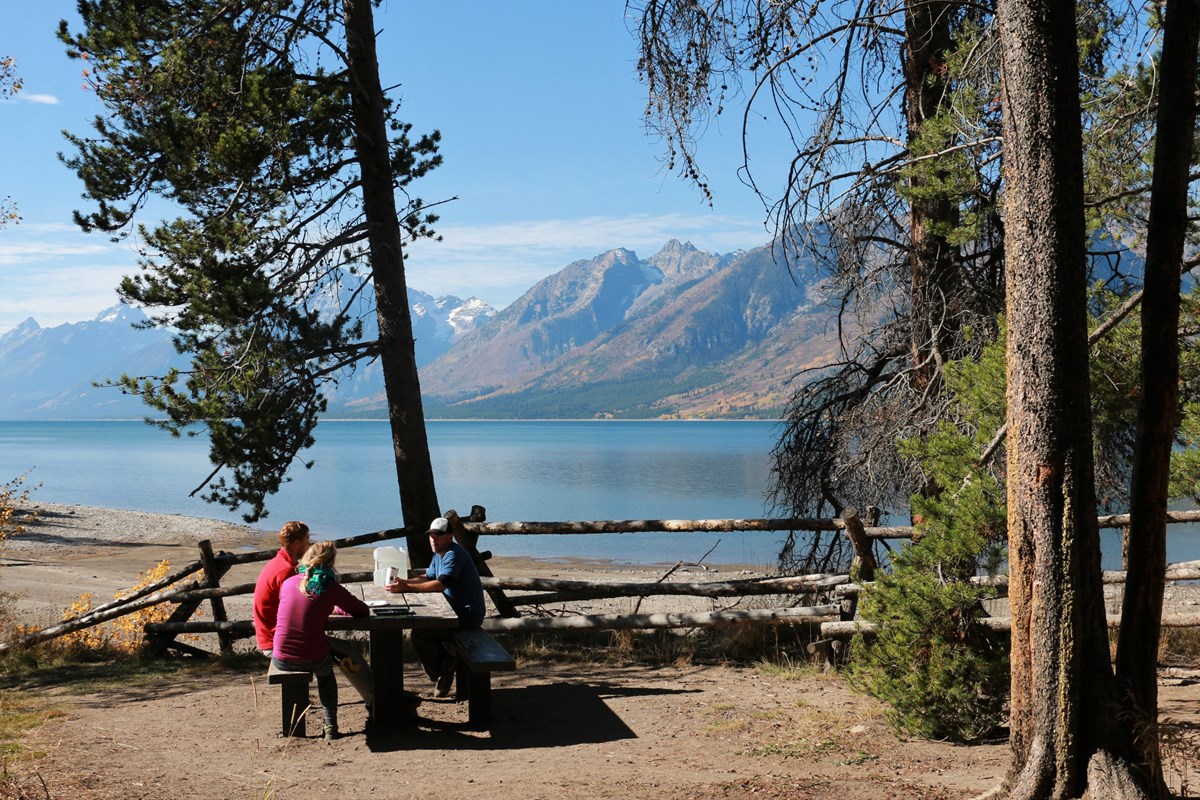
(696, 731)
(559, 732)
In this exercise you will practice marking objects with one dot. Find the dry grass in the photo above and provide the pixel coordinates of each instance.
(724, 644)
(18, 714)
(1179, 647)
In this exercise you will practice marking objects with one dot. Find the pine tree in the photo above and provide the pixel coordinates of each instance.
(259, 131)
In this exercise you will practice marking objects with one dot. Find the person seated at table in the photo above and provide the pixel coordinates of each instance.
(293, 541)
(306, 600)
(453, 573)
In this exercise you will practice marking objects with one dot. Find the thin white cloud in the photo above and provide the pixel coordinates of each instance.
(40, 99)
(23, 253)
(32, 244)
(55, 274)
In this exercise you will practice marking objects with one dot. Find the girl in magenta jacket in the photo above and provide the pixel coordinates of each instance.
(305, 601)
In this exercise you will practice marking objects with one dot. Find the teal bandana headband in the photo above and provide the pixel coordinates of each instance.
(317, 578)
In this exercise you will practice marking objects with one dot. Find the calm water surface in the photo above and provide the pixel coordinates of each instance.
(516, 470)
(548, 471)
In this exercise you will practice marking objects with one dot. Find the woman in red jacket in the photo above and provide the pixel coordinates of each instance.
(305, 601)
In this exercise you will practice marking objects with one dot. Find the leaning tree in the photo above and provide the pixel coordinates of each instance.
(260, 132)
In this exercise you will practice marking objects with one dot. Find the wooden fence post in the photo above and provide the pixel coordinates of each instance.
(862, 568)
(864, 555)
(161, 641)
(212, 575)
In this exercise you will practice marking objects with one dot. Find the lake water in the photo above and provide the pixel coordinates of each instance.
(519, 471)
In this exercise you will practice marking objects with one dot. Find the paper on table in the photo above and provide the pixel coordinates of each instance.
(377, 603)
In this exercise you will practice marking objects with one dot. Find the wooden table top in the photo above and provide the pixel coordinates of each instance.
(430, 610)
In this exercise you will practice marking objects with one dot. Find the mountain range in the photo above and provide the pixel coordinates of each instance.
(682, 334)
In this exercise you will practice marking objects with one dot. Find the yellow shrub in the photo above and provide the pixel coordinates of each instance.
(123, 634)
(12, 496)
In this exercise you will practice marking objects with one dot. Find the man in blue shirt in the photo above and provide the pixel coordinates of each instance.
(451, 572)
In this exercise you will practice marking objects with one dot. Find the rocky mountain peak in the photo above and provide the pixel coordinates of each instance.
(121, 313)
(27, 327)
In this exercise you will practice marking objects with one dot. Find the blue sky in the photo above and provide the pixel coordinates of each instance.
(540, 111)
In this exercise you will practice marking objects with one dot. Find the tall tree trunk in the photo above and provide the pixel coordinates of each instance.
(931, 257)
(1061, 675)
(1137, 647)
(414, 472)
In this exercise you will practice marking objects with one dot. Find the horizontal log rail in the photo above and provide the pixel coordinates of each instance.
(1179, 571)
(680, 526)
(238, 628)
(719, 525)
(1122, 520)
(844, 630)
(566, 590)
(811, 615)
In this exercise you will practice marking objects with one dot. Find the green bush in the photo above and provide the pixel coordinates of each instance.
(943, 674)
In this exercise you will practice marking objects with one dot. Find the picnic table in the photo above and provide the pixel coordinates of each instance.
(386, 627)
(391, 615)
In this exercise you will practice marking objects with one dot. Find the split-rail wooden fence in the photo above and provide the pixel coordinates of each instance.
(832, 620)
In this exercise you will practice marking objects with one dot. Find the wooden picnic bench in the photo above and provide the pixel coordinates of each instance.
(479, 655)
(294, 686)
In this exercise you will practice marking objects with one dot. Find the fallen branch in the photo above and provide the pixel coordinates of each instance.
(161, 583)
(595, 622)
(88, 620)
